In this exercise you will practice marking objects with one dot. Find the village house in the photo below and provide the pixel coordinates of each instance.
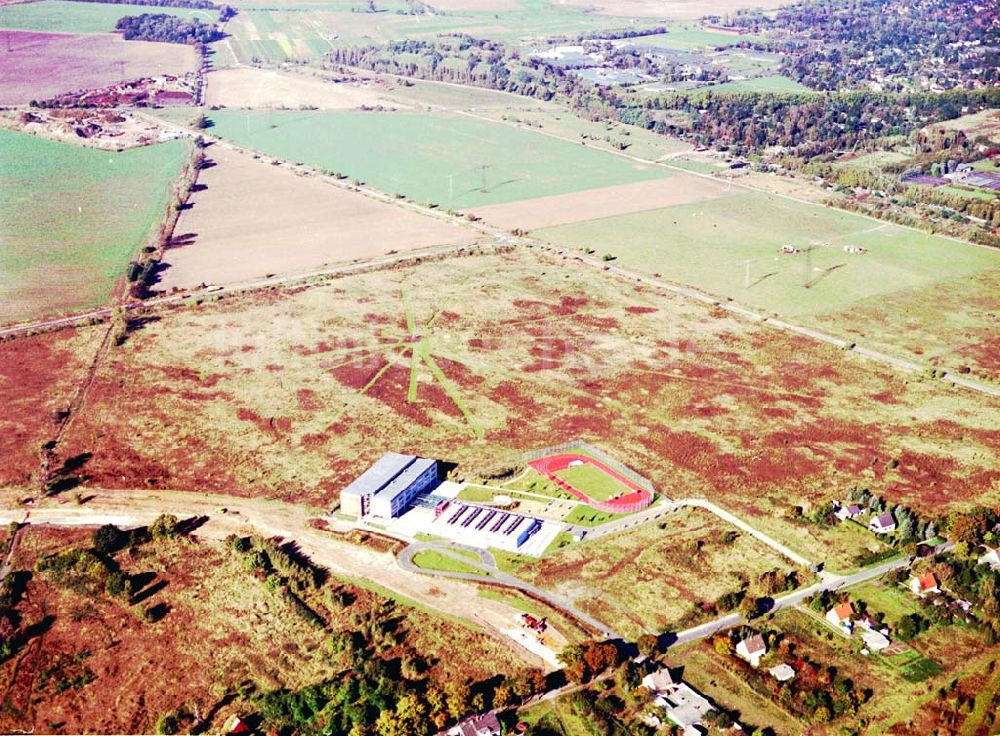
(484, 725)
(848, 511)
(991, 558)
(840, 615)
(884, 523)
(684, 706)
(752, 649)
(924, 584)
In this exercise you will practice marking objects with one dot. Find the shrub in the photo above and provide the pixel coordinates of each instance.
(164, 527)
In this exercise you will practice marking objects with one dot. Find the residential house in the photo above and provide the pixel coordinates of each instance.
(782, 673)
(848, 511)
(752, 649)
(484, 725)
(840, 614)
(991, 558)
(883, 523)
(659, 681)
(924, 584)
(684, 706)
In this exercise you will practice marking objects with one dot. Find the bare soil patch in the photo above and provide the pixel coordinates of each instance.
(41, 65)
(267, 88)
(253, 219)
(594, 204)
(38, 378)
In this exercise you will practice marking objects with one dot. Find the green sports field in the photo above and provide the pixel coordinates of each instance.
(63, 16)
(71, 218)
(690, 39)
(594, 482)
(707, 244)
(435, 158)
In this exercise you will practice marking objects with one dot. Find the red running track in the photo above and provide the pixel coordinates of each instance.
(639, 499)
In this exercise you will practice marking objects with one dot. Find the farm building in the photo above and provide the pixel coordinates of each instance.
(388, 487)
(875, 641)
(782, 673)
(684, 706)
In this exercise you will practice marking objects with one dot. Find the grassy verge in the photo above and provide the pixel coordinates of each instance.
(432, 560)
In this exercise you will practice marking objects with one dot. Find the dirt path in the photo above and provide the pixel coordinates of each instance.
(230, 515)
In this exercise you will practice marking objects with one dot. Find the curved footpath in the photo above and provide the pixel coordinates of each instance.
(495, 577)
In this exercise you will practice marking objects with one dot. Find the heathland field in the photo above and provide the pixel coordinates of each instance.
(708, 245)
(71, 217)
(66, 16)
(477, 358)
(451, 160)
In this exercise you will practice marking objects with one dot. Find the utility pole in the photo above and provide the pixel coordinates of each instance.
(746, 275)
(809, 262)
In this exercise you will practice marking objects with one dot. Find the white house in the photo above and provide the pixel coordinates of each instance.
(883, 523)
(484, 725)
(848, 511)
(924, 584)
(752, 649)
(991, 558)
(840, 614)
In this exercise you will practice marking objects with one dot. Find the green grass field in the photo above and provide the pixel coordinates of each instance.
(431, 560)
(770, 83)
(64, 16)
(595, 483)
(432, 157)
(71, 217)
(690, 39)
(707, 244)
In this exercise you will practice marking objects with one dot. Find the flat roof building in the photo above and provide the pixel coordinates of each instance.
(388, 487)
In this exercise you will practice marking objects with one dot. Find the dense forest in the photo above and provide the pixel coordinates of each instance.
(162, 27)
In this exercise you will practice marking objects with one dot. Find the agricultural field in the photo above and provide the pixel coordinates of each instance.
(672, 9)
(275, 35)
(41, 65)
(479, 357)
(249, 219)
(691, 38)
(73, 217)
(656, 576)
(708, 244)
(66, 16)
(269, 88)
(451, 160)
(220, 638)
